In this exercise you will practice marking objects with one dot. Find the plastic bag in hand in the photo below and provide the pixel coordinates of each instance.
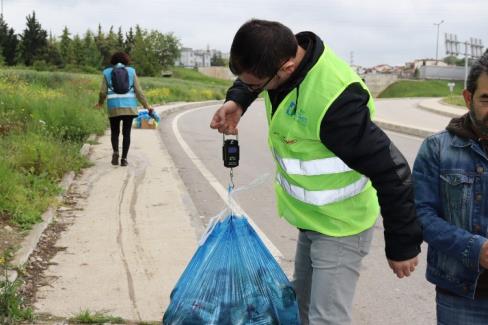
(232, 279)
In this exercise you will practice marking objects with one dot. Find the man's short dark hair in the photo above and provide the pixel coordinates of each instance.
(120, 57)
(478, 67)
(260, 47)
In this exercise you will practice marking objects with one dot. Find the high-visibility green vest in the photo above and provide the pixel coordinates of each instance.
(315, 189)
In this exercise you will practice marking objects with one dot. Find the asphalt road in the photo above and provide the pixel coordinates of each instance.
(381, 298)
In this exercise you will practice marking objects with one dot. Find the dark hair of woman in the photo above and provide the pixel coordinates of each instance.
(120, 57)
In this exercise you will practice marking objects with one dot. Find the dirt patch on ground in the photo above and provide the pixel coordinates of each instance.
(39, 261)
(33, 272)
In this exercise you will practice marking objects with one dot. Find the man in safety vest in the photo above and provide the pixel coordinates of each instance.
(335, 168)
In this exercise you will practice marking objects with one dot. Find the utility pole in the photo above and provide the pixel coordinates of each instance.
(437, 42)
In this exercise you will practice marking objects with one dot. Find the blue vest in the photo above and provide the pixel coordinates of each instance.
(115, 100)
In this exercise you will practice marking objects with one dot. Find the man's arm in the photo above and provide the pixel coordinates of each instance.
(347, 130)
(237, 100)
(240, 94)
(438, 233)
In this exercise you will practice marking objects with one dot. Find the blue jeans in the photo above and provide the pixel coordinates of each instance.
(456, 310)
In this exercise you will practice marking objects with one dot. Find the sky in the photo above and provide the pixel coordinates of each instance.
(364, 32)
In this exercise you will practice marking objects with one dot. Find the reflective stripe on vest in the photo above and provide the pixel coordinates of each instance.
(322, 166)
(114, 95)
(322, 197)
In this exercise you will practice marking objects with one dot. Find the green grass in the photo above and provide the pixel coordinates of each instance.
(164, 90)
(194, 75)
(420, 88)
(454, 100)
(44, 119)
(87, 317)
(12, 307)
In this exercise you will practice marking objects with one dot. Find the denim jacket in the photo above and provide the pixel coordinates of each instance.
(451, 180)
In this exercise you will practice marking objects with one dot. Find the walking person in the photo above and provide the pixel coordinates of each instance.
(121, 88)
(451, 183)
(333, 163)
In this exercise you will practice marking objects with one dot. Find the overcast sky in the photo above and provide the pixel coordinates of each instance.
(381, 31)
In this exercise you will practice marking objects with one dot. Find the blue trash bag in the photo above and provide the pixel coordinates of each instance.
(143, 114)
(232, 279)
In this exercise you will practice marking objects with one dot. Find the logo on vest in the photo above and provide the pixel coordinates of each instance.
(297, 115)
(292, 109)
(301, 118)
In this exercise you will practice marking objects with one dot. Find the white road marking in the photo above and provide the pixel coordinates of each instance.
(221, 191)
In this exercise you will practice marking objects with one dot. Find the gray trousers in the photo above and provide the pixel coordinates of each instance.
(326, 273)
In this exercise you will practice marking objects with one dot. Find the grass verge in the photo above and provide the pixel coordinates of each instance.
(88, 317)
(420, 88)
(454, 100)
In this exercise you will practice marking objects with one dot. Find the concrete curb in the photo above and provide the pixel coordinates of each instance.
(179, 106)
(449, 110)
(405, 129)
(29, 243)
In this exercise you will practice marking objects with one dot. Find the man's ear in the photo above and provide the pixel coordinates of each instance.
(467, 98)
(289, 67)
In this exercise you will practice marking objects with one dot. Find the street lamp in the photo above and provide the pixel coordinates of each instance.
(437, 44)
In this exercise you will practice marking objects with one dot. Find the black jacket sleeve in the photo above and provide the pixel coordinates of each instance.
(347, 130)
(240, 94)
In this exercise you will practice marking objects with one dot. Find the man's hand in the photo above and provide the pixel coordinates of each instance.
(403, 268)
(227, 117)
(484, 255)
(98, 106)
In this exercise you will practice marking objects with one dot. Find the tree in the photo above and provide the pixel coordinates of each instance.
(78, 51)
(217, 60)
(10, 48)
(143, 55)
(3, 31)
(120, 40)
(170, 50)
(33, 41)
(453, 60)
(103, 46)
(92, 56)
(112, 41)
(65, 47)
(130, 40)
(8, 43)
(3, 38)
(165, 46)
(54, 56)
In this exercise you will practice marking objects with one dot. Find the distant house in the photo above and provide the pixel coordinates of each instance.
(194, 58)
(191, 58)
(428, 62)
(383, 68)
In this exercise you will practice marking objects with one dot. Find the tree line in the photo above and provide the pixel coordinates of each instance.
(150, 51)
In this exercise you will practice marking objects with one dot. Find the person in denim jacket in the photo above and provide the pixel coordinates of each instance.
(451, 183)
